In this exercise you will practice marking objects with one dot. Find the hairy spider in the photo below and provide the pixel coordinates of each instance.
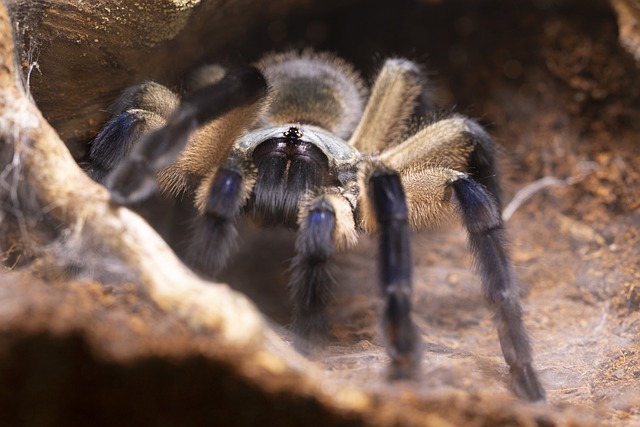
(296, 141)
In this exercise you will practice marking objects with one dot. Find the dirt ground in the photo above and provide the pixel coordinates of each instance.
(561, 97)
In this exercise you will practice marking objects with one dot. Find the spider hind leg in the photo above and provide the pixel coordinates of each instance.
(482, 164)
(481, 217)
(394, 97)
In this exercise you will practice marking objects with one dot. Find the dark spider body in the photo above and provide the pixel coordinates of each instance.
(298, 142)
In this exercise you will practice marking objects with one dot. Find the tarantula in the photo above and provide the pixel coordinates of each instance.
(296, 141)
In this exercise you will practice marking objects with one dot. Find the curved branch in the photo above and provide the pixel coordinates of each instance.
(74, 200)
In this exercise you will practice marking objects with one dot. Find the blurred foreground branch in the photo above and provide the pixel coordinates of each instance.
(41, 166)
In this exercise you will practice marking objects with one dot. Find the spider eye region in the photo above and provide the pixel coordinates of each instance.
(293, 133)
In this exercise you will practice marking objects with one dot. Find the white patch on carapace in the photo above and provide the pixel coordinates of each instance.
(336, 149)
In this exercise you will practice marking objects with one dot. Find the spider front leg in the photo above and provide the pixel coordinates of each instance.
(326, 226)
(219, 199)
(387, 200)
(140, 109)
(133, 176)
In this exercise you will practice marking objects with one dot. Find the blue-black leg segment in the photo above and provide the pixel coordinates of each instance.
(214, 236)
(310, 283)
(481, 217)
(482, 160)
(390, 206)
(114, 143)
(133, 179)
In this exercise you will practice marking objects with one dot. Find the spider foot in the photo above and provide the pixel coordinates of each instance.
(404, 368)
(525, 383)
(205, 258)
(311, 331)
(403, 340)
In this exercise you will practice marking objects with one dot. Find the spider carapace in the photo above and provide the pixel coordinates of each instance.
(300, 140)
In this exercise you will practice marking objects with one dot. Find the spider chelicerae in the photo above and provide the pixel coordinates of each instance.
(299, 141)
